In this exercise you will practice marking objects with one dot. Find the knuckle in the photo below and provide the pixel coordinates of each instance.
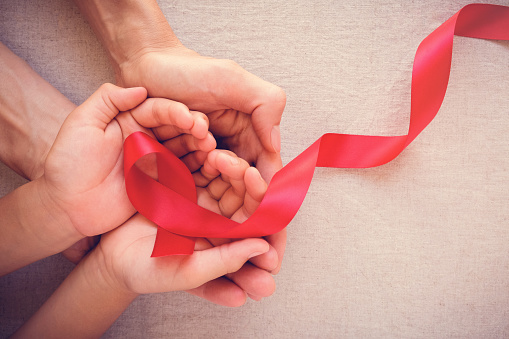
(228, 63)
(278, 96)
(107, 87)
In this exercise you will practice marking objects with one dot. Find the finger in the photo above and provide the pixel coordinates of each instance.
(187, 143)
(268, 261)
(221, 291)
(218, 187)
(199, 128)
(195, 160)
(257, 283)
(268, 164)
(277, 241)
(203, 266)
(231, 167)
(201, 125)
(129, 125)
(255, 191)
(105, 103)
(206, 174)
(243, 91)
(205, 200)
(155, 112)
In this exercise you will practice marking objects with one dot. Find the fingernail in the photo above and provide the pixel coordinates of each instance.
(260, 176)
(254, 297)
(255, 254)
(275, 138)
(234, 161)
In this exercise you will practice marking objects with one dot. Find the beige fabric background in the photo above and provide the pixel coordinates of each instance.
(418, 248)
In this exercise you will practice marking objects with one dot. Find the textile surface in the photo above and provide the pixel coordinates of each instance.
(417, 248)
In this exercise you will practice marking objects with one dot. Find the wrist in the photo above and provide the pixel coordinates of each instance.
(99, 270)
(128, 28)
(144, 64)
(57, 227)
(32, 113)
(31, 228)
(85, 305)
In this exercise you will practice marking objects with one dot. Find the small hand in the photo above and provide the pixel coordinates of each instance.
(227, 185)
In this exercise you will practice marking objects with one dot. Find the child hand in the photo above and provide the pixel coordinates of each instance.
(229, 186)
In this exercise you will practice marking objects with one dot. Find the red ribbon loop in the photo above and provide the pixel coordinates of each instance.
(171, 201)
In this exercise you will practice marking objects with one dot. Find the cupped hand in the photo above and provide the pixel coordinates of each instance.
(124, 257)
(227, 185)
(244, 111)
(83, 172)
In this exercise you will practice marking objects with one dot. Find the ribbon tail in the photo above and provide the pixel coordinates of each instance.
(168, 243)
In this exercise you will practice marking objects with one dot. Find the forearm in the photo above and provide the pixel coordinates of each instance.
(85, 305)
(31, 113)
(127, 28)
(31, 227)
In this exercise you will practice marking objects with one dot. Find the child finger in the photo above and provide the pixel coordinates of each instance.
(215, 262)
(194, 160)
(255, 191)
(155, 112)
(233, 168)
(187, 143)
(199, 128)
(256, 188)
(230, 202)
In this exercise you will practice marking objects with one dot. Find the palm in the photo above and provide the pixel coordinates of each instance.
(84, 171)
(233, 99)
(127, 255)
(233, 130)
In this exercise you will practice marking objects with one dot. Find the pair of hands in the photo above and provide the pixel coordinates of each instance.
(83, 177)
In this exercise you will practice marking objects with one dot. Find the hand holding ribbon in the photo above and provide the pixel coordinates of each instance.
(171, 202)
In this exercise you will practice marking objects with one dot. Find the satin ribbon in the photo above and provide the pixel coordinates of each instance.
(171, 201)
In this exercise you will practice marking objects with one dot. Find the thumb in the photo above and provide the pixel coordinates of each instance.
(105, 103)
(243, 91)
(217, 261)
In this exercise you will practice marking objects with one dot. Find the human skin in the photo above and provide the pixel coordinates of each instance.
(244, 111)
(120, 268)
(32, 112)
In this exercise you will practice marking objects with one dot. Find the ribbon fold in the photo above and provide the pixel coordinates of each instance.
(171, 201)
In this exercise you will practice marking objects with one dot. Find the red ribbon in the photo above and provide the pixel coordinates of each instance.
(171, 202)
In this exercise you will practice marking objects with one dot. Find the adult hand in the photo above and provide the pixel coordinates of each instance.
(244, 111)
(83, 173)
(228, 186)
(125, 258)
